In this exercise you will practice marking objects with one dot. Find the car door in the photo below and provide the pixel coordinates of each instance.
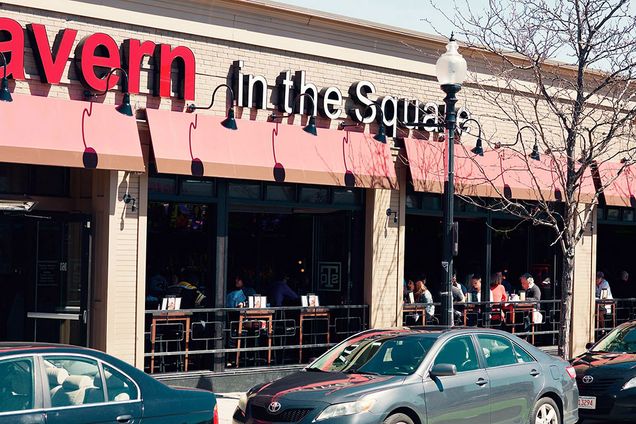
(460, 398)
(20, 392)
(515, 378)
(83, 390)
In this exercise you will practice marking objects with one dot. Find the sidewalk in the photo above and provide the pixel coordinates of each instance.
(227, 403)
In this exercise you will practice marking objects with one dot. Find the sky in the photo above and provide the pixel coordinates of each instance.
(409, 14)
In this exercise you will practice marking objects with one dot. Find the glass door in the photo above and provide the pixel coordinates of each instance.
(59, 310)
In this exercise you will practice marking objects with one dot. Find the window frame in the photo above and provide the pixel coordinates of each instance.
(47, 398)
(480, 363)
(512, 345)
(38, 393)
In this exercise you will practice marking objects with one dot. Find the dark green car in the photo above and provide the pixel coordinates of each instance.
(56, 384)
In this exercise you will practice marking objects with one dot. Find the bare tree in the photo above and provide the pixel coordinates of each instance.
(581, 108)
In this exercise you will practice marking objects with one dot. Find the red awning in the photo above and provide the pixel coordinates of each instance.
(498, 173)
(619, 184)
(44, 131)
(192, 144)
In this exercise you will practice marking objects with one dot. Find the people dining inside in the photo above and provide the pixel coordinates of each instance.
(498, 291)
(280, 292)
(475, 293)
(603, 290)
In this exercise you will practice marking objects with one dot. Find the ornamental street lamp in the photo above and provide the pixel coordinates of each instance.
(451, 71)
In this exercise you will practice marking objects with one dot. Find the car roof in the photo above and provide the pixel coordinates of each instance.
(14, 348)
(436, 331)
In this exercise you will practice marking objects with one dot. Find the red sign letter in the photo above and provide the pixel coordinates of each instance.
(165, 56)
(50, 64)
(97, 51)
(133, 53)
(13, 48)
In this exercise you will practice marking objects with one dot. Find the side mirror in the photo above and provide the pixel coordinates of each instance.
(589, 345)
(443, 370)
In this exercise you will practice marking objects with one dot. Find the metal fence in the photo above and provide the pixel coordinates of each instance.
(610, 313)
(536, 321)
(219, 338)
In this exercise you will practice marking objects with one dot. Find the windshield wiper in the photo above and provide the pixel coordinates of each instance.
(314, 369)
(357, 371)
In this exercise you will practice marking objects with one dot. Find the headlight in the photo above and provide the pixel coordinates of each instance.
(242, 404)
(630, 384)
(349, 408)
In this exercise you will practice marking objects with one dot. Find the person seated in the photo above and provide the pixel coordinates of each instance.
(423, 295)
(533, 292)
(280, 291)
(602, 284)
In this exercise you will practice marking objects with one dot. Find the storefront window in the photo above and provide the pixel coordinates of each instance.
(346, 197)
(162, 185)
(34, 179)
(286, 193)
(244, 190)
(314, 195)
(197, 188)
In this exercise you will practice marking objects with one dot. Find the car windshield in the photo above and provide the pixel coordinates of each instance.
(619, 340)
(379, 354)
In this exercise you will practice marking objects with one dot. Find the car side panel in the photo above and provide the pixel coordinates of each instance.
(35, 417)
(458, 399)
(179, 406)
(513, 390)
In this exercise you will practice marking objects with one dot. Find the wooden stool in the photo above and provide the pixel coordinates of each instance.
(255, 315)
(310, 314)
(169, 317)
(601, 309)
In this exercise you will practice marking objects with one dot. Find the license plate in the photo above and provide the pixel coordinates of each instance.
(587, 402)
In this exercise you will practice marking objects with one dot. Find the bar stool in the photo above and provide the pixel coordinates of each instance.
(310, 314)
(602, 305)
(249, 315)
(169, 317)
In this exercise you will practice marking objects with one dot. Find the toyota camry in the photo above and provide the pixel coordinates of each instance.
(415, 377)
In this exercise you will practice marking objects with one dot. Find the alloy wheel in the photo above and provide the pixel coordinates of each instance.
(546, 415)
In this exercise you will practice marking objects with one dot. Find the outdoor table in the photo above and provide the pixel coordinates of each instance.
(255, 314)
(602, 305)
(311, 313)
(514, 306)
(416, 308)
(169, 317)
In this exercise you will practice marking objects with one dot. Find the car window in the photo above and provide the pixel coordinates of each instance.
(618, 340)
(378, 353)
(522, 356)
(460, 352)
(497, 350)
(119, 387)
(73, 381)
(16, 384)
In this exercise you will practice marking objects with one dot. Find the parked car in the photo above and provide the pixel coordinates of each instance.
(404, 377)
(606, 376)
(57, 384)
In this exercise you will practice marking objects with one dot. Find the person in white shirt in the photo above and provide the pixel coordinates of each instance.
(602, 284)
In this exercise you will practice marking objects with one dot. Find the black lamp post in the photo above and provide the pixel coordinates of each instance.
(124, 108)
(5, 94)
(311, 125)
(229, 122)
(451, 71)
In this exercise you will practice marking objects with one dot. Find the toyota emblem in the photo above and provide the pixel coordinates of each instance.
(274, 407)
(587, 379)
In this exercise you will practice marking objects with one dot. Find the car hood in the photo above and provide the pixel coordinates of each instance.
(323, 387)
(607, 362)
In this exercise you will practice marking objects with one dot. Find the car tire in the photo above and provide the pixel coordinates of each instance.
(546, 411)
(399, 419)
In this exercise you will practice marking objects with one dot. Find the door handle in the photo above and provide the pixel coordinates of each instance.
(534, 373)
(124, 419)
(482, 382)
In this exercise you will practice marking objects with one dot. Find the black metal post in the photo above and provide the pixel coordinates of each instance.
(449, 194)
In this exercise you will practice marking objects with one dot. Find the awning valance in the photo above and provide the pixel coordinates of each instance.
(194, 144)
(499, 173)
(45, 131)
(619, 184)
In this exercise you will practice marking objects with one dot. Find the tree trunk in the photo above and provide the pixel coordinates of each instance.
(566, 305)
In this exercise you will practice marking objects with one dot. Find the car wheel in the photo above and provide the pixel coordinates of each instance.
(546, 411)
(399, 419)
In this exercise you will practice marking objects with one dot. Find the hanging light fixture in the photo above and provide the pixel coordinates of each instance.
(479, 147)
(381, 134)
(311, 123)
(5, 94)
(229, 122)
(124, 108)
(535, 152)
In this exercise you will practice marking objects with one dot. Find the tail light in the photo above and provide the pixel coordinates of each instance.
(571, 371)
(216, 414)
